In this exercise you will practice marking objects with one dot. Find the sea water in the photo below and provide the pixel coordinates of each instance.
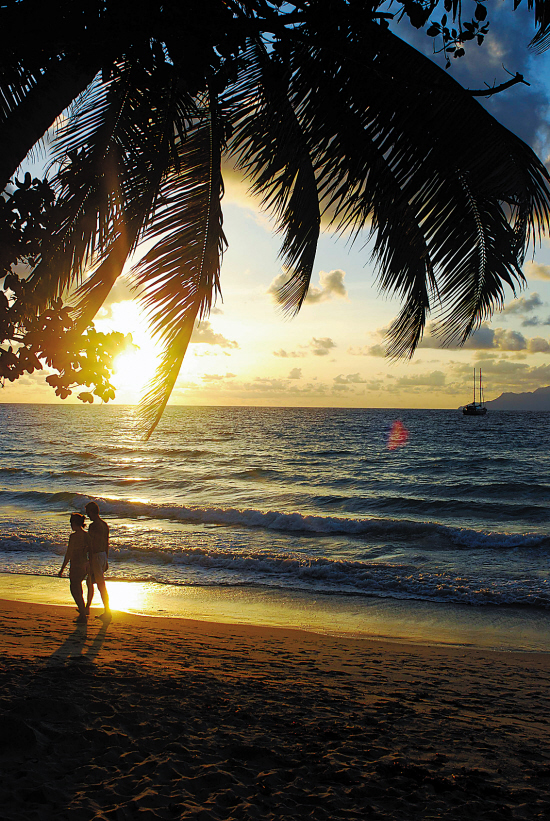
(302, 503)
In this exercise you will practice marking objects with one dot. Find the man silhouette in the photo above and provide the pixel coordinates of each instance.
(99, 552)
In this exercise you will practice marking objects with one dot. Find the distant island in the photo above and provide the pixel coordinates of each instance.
(538, 400)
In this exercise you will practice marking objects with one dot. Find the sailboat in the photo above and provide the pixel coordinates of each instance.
(476, 408)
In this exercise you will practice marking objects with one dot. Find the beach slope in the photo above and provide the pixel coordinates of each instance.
(155, 718)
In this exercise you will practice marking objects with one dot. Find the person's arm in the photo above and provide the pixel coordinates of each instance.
(66, 559)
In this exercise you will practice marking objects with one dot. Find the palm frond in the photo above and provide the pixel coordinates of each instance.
(31, 102)
(88, 211)
(271, 148)
(120, 143)
(179, 276)
(541, 40)
(380, 122)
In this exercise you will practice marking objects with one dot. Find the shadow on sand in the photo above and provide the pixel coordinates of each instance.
(76, 647)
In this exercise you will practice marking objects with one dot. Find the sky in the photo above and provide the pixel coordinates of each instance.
(332, 352)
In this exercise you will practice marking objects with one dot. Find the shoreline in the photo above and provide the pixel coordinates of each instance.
(166, 717)
(386, 620)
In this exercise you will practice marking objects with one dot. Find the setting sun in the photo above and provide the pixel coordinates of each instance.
(134, 369)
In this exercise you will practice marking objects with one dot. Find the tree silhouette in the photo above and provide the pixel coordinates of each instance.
(324, 109)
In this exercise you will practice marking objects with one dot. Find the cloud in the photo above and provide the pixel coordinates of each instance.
(486, 338)
(533, 321)
(350, 379)
(506, 340)
(289, 354)
(330, 285)
(523, 305)
(321, 347)
(268, 384)
(515, 375)
(217, 377)
(318, 347)
(204, 334)
(538, 345)
(295, 373)
(535, 270)
(435, 379)
(368, 350)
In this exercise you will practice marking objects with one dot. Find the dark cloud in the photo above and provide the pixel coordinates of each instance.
(533, 321)
(524, 305)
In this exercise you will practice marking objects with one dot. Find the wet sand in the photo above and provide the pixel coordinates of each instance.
(157, 718)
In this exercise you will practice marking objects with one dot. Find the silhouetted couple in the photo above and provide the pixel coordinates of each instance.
(88, 554)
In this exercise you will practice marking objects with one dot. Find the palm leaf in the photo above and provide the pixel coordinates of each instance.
(380, 119)
(541, 40)
(146, 138)
(178, 277)
(31, 102)
(120, 143)
(271, 148)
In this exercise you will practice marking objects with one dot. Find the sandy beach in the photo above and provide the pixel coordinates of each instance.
(158, 718)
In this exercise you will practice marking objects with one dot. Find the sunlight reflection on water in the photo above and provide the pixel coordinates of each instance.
(128, 597)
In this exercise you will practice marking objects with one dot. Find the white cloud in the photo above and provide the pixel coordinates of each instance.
(295, 373)
(535, 270)
(331, 284)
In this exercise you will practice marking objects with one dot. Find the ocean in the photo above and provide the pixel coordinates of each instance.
(304, 502)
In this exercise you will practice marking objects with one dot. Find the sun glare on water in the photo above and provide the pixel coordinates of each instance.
(128, 597)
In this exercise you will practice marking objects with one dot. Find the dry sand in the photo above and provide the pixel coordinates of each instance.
(150, 718)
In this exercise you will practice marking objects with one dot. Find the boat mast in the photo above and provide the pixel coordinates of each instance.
(480, 394)
(474, 386)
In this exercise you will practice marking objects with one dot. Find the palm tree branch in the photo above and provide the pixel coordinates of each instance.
(31, 108)
(271, 148)
(178, 277)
